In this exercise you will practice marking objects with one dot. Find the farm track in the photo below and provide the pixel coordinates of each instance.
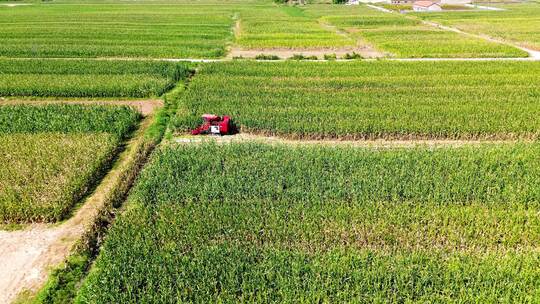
(375, 143)
(26, 256)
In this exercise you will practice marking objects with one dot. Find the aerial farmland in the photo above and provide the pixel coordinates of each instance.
(261, 151)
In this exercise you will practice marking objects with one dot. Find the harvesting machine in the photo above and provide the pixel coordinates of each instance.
(214, 124)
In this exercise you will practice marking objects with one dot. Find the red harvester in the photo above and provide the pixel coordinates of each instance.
(214, 124)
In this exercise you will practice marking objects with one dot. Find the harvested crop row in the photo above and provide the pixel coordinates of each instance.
(260, 223)
(370, 99)
(87, 78)
(56, 153)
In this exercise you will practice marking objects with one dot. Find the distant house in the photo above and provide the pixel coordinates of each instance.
(426, 6)
(353, 2)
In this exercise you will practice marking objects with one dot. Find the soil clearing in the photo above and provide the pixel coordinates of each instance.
(27, 256)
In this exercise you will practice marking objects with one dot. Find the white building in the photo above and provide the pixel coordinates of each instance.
(426, 6)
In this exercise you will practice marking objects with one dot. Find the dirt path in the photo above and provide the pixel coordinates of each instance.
(376, 143)
(27, 256)
(146, 107)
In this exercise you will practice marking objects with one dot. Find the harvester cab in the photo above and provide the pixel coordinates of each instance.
(214, 125)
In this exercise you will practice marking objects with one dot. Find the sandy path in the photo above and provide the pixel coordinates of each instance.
(144, 106)
(26, 256)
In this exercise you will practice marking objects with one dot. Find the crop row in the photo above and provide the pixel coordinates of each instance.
(370, 99)
(260, 223)
(56, 153)
(87, 78)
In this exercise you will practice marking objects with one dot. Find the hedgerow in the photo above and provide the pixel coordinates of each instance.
(260, 223)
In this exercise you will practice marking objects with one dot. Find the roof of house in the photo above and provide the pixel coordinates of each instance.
(424, 3)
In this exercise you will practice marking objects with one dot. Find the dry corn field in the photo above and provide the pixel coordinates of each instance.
(411, 178)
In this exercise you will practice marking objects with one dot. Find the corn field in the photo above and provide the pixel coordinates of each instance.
(260, 223)
(56, 153)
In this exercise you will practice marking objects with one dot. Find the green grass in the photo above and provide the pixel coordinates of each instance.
(260, 223)
(404, 37)
(87, 78)
(286, 27)
(369, 99)
(113, 29)
(519, 22)
(56, 154)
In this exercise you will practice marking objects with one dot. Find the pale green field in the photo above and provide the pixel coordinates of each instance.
(405, 37)
(520, 23)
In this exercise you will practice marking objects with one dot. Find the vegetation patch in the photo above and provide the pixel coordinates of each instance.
(369, 99)
(325, 225)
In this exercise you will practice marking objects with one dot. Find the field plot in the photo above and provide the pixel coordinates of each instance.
(370, 99)
(518, 23)
(55, 153)
(87, 78)
(149, 30)
(264, 224)
(408, 38)
(286, 27)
